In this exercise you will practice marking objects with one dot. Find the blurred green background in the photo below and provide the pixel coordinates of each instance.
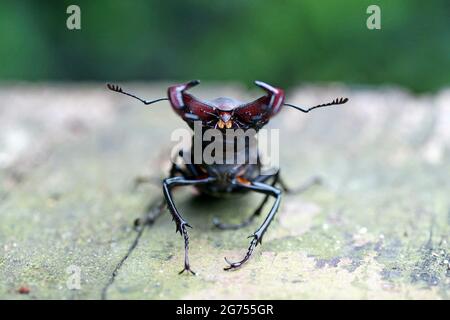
(284, 42)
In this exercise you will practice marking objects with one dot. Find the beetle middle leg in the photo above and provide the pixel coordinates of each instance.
(276, 179)
(256, 213)
(259, 233)
(315, 180)
(180, 222)
(175, 169)
(152, 212)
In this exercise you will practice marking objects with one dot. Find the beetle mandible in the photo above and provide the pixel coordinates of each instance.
(218, 178)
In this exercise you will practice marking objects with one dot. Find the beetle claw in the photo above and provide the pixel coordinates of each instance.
(232, 265)
(187, 268)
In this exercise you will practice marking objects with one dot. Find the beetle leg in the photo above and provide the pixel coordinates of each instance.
(259, 233)
(246, 222)
(143, 179)
(315, 180)
(249, 220)
(152, 213)
(181, 224)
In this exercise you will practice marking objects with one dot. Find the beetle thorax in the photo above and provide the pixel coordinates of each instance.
(225, 104)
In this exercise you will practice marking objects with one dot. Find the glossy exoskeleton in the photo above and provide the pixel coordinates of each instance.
(221, 179)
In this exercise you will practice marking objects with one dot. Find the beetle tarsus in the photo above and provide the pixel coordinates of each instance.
(183, 231)
(251, 248)
(187, 269)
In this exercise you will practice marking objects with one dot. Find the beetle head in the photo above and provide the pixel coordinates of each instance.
(226, 113)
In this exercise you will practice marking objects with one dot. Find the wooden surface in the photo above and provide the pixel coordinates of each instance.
(377, 228)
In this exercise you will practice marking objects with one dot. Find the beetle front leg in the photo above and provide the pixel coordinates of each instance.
(259, 233)
(181, 224)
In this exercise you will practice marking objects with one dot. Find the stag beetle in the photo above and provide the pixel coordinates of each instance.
(221, 179)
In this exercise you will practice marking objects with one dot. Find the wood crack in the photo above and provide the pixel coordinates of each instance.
(152, 213)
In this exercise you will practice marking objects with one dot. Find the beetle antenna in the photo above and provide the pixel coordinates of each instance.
(334, 102)
(119, 89)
